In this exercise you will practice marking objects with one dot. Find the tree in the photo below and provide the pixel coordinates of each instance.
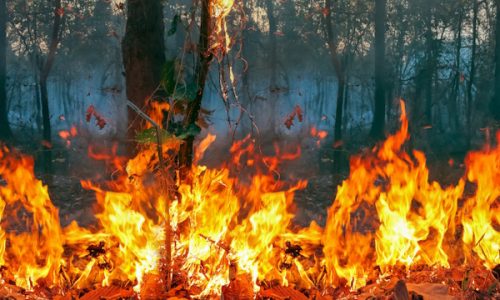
(143, 53)
(472, 70)
(428, 73)
(201, 73)
(45, 69)
(5, 132)
(495, 104)
(341, 76)
(273, 61)
(377, 130)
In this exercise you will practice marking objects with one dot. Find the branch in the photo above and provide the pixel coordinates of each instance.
(142, 114)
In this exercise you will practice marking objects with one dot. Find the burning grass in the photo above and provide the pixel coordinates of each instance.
(234, 234)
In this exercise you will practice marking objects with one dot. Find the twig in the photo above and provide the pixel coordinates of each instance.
(218, 244)
(168, 229)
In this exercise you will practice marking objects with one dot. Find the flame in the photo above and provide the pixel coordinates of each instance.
(32, 247)
(237, 221)
(482, 210)
(219, 10)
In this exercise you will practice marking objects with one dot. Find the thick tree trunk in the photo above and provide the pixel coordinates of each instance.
(193, 110)
(495, 104)
(143, 53)
(377, 130)
(5, 132)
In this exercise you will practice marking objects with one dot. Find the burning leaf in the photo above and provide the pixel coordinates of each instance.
(91, 111)
(46, 144)
(282, 293)
(109, 293)
(297, 112)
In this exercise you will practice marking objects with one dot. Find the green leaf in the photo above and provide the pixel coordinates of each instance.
(149, 136)
(186, 93)
(168, 76)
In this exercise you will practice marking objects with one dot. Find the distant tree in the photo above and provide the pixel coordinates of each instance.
(377, 130)
(338, 65)
(495, 104)
(143, 50)
(273, 61)
(45, 69)
(472, 70)
(429, 64)
(5, 132)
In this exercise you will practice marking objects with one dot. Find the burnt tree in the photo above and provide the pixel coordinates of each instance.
(377, 130)
(5, 132)
(193, 107)
(143, 51)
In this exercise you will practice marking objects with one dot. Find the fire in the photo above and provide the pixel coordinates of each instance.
(219, 10)
(414, 220)
(482, 210)
(32, 244)
(236, 221)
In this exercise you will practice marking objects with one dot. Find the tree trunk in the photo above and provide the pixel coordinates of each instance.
(453, 105)
(5, 132)
(472, 71)
(46, 133)
(495, 104)
(44, 74)
(143, 53)
(341, 81)
(429, 68)
(377, 130)
(273, 57)
(202, 68)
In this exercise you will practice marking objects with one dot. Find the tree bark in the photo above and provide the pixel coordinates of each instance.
(429, 67)
(273, 65)
(44, 74)
(495, 104)
(453, 105)
(193, 110)
(5, 132)
(472, 70)
(341, 80)
(377, 130)
(143, 53)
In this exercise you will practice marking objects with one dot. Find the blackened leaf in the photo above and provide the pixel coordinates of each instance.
(191, 130)
(173, 25)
